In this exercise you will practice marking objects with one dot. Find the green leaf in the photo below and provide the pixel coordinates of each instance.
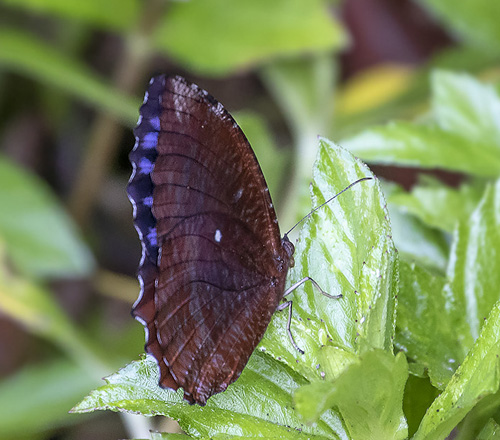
(34, 308)
(425, 146)
(425, 315)
(474, 262)
(259, 403)
(477, 378)
(463, 105)
(475, 21)
(28, 56)
(490, 432)
(477, 419)
(473, 271)
(346, 247)
(212, 38)
(45, 392)
(368, 394)
(419, 394)
(115, 14)
(437, 205)
(465, 136)
(452, 311)
(416, 242)
(40, 238)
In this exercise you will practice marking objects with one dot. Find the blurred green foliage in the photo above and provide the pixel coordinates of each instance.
(435, 302)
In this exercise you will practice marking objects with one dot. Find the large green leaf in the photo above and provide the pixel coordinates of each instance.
(416, 242)
(40, 238)
(116, 14)
(491, 431)
(35, 309)
(452, 311)
(437, 205)
(346, 247)
(475, 259)
(368, 394)
(425, 316)
(419, 395)
(38, 398)
(476, 379)
(425, 146)
(465, 136)
(258, 404)
(214, 37)
(463, 105)
(474, 20)
(29, 56)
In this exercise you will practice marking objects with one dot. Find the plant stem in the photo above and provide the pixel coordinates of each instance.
(106, 131)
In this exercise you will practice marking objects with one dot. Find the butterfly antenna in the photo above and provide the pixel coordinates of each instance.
(328, 201)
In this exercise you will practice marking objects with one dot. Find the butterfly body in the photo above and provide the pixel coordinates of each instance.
(213, 265)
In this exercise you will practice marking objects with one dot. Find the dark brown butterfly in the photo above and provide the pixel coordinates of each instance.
(213, 264)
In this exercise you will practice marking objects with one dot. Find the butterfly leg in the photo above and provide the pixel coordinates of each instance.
(315, 284)
(289, 305)
(281, 307)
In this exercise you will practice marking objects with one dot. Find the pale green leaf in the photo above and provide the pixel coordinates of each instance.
(425, 146)
(474, 262)
(475, 21)
(346, 247)
(437, 205)
(463, 105)
(38, 398)
(34, 308)
(464, 137)
(425, 316)
(40, 238)
(259, 404)
(368, 394)
(452, 310)
(477, 378)
(490, 432)
(417, 242)
(214, 38)
(115, 14)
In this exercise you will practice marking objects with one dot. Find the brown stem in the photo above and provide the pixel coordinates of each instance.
(106, 131)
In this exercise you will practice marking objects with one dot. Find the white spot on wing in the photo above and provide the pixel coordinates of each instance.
(218, 235)
(146, 96)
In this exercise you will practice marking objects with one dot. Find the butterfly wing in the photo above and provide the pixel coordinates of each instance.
(213, 267)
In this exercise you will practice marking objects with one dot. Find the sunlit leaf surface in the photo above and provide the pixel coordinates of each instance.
(248, 32)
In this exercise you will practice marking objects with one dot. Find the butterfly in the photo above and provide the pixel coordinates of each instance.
(213, 263)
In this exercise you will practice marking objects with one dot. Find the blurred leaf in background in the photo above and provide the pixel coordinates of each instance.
(404, 95)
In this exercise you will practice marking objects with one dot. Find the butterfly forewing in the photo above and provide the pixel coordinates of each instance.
(213, 266)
